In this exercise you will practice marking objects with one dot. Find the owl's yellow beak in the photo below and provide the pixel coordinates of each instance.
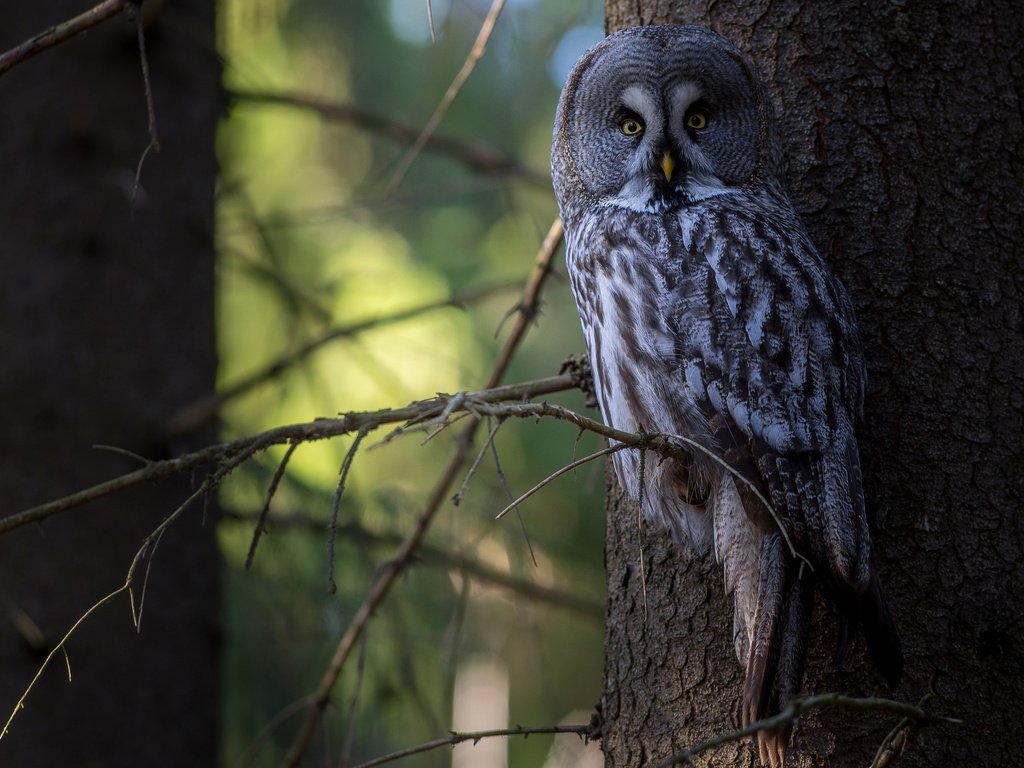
(668, 164)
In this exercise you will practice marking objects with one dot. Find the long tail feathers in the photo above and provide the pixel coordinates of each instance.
(869, 613)
(777, 656)
(775, 664)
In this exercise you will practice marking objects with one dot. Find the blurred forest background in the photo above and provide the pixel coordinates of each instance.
(350, 276)
(313, 234)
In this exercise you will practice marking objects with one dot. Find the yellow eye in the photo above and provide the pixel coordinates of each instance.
(697, 121)
(631, 127)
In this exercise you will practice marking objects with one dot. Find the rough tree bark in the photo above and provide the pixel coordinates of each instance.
(107, 327)
(906, 156)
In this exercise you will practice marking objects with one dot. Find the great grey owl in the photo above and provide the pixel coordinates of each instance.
(709, 314)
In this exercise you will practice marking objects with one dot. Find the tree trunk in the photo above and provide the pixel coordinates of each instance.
(107, 318)
(906, 155)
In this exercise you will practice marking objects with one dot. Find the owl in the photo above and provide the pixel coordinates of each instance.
(709, 315)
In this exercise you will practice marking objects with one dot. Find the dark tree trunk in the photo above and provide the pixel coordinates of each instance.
(906, 156)
(107, 326)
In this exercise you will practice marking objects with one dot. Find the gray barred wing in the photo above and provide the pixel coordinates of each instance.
(767, 344)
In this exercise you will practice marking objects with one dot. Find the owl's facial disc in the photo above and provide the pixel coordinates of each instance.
(664, 166)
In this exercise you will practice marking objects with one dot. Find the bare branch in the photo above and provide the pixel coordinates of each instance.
(319, 429)
(246, 758)
(59, 648)
(457, 498)
(894, 741)
(441, 491)
(468, 66)
(154, 137)
(350, 730)
(437, 557)
(476, 157)
(346, 465)
(665, 443)
(530, 302)
(261, 522)
(430, 22)
(508, 490)
(58, 33)
(794, 710)
(211, 482)
(200, 412)
(558, 473)
(458, 738)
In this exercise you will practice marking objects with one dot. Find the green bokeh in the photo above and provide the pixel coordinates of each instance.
(308, 239)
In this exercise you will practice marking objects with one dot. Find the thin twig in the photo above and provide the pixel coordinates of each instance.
(246, 758)
(468, 66)
(508, 490)
(123, 452)
(154, 137)
(457, 498)
(437, 557)
(200, 412)
(441, 491)
(145, 584)
(484, 402)
(332, 525)
(261, 522)
(430, 22)
(666, 443)
(350, 730)
(58, 33)
(451, 642)
(476, 157)
(211, 482)
(475, 736)
(479, 403)
(57, 649)
(892, 744)
(558, 473)
(795, 709)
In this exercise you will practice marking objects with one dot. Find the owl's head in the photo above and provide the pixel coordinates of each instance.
(658, 117)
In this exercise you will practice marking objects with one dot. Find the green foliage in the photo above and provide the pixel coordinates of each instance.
(308, 239)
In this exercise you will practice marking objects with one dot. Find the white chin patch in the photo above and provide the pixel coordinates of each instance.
(637, 194)
(703, 186)
(641, 194)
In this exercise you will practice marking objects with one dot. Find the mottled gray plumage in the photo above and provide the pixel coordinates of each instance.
(709, 314)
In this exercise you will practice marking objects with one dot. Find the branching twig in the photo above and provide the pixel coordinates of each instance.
(261, 522)
(457, 498)
(558, 473)
(453, 90)
(458, 738)
(59, 648)
(350, 730)
(154, 137)
(203, 410)
(332, 525)
(208, 485)
(795, 709)
(474, 156)
(246, 758)
(491, 401)
(58, 33)
(667, 444)
(894, 741)
(441, 491)
(437, 556)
